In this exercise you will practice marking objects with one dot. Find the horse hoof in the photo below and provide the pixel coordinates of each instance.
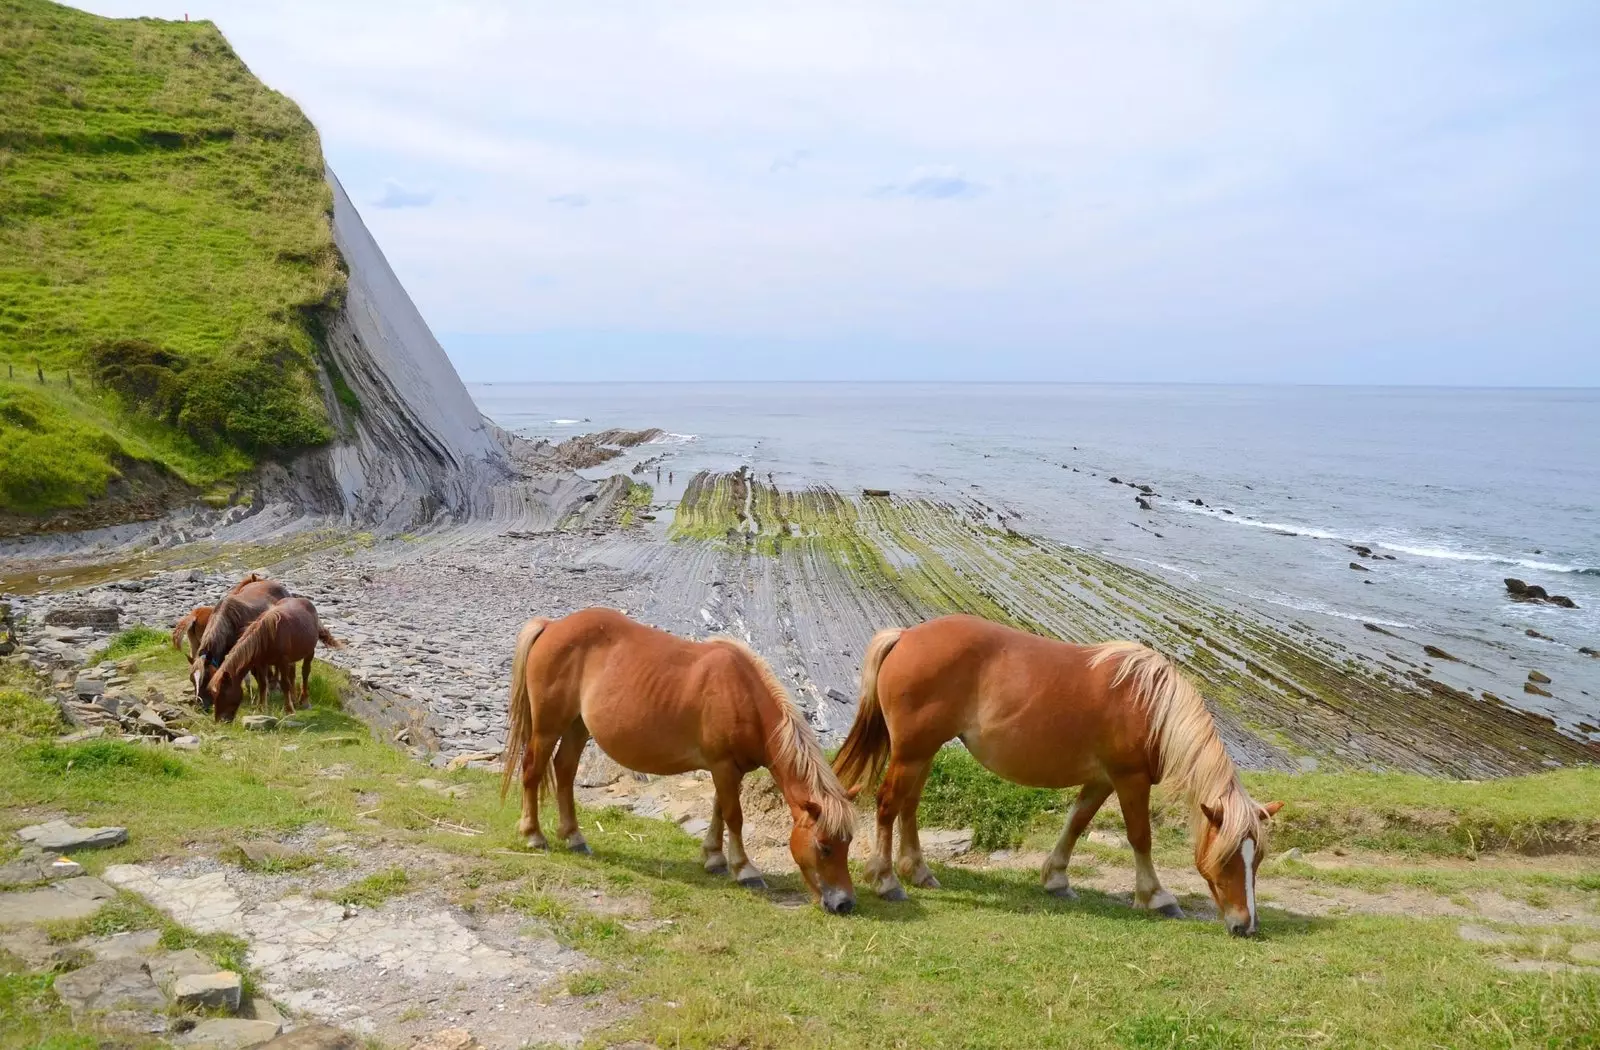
(582, 848)
(1170, 911)
(716, 867)
(537, 842)
(927, 882)
(753, 882)
(896, 895)
(1065, 893)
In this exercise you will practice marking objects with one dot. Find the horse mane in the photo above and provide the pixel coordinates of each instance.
(795, 747)
(256, 638)
(1185, 734)
(228, 619)
(254, 577)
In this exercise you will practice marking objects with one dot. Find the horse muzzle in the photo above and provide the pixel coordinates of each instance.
(838, 902)
(1240, 927)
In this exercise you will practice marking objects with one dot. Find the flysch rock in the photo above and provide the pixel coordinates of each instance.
(36, 865)
(62, 837)
(220, 990)
(73, 899)
(111, 984)
(229, 1033)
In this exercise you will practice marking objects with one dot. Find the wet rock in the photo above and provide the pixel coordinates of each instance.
(97, 617)
(315, 1037)
(1531, 633)
(1539, 676)
(1357, 566)
(1534, 690)
(1438, 653)
(1143, 503)
(1587, 651)
(879, 493)
(1365, 552)
(1115, 480)
(62, 837)
(208, 991)
(230, 1033)
(112, 984)
(1532, 592)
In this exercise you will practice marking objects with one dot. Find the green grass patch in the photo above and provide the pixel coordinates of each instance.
(135, 641)
(27, 716)
(962, 794)
(374, 890)
(165, 250)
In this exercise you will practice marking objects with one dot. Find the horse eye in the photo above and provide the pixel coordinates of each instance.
(825, 850)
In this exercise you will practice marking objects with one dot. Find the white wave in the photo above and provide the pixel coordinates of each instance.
(1190, 573)
(669, 438)
(1442, 553)
(563, 422)
(1312, 606)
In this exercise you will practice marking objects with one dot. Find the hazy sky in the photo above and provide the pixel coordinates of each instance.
(1231, 191)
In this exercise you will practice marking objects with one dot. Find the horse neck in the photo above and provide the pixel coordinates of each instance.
(1193, 758)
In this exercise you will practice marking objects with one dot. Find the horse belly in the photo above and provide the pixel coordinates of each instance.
(655, 745)
(1033, 758)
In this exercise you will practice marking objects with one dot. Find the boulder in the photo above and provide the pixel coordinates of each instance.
(186, 743)
(315, 1037)
(1143, 503)
(1539, 676)
(62, 837)
(1357, 566)
(1533, 690)
(878, 493)
(218, 990)
(1438, 653)
(95, 617)
(1532, 592)
(88, 687)
(168, 967)
(111, 984)
(230, 1033)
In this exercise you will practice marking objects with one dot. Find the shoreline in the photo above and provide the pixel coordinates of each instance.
(806, 577)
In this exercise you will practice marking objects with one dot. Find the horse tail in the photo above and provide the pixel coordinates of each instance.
(519, 709)
(328, 639)
(866, 750)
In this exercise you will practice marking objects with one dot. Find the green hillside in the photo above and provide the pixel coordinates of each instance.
(166, 253)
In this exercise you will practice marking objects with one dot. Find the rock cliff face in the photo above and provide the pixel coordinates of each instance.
(412, 446)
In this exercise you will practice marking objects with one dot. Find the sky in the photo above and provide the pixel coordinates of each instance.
(1214, 191)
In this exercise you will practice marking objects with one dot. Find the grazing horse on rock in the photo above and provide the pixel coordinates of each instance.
(1113, 717)
(660, 704)
(286, 634)
(226, 623)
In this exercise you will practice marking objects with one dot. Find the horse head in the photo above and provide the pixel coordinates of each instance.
(1229, 846)
(820, 844)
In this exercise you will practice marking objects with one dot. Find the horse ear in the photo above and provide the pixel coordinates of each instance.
(1213, 813)
(812, 808)
(853, 792)
(1270, 810)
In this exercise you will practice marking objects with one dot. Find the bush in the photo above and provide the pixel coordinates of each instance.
(256, 397)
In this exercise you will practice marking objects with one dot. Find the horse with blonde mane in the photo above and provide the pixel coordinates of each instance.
(660, 704)
(1114, 717)
(284, 635)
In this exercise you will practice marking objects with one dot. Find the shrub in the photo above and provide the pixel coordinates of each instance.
(256, 397)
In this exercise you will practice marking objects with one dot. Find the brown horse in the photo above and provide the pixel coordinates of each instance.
(286, 634)
(659, 704)
(1114, 717)
(238, 609)
(193, 624)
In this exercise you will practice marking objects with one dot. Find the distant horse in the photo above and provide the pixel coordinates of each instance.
(1113, 717)
(226, 623)
(193, 624)
(286, 634)
(659, 704)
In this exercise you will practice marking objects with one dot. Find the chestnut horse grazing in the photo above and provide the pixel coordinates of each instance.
(286, 634)
(224, 626)
(659, 704)
(1113, 717)
(193, 624)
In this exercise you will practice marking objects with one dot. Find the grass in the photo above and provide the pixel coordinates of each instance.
(165, 251)
(987, 962)
(134, 641)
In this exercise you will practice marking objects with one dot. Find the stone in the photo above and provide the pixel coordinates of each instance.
(1438, 653)
(60, 836)
(1306, 764)
(1533, 690)
(71, 899)
(35, 865)
(168, 967)
(943, 842)
(136, 945)
(261, 853)
(260, 723)
(87, 687)
(92, 733)
(218, 990)
(315, 1037)
(259, 1009)
(186, 743)
(1294, 853)
(439, 787)
(448, 1039)
(598, 769)
(1357, 566)
(230, 1033)
(461, 761)
(697, 826)
(112, 984)
(97, 617)
(1539, 676)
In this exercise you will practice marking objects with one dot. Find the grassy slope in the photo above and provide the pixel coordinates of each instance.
(987, 962)
(151, 189)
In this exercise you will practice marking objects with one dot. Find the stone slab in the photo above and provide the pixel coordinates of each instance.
(73, 899)
(62, 837)
(315, 1037)
(112, 984)
(230, 1033)
(220, 990)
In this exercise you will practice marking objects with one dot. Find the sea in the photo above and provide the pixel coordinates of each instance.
(1452, 490)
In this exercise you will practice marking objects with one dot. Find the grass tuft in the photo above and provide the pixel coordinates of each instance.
(375, 889)
(135, 641)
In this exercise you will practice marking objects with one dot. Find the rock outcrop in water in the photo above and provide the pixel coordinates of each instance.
(1532, 592)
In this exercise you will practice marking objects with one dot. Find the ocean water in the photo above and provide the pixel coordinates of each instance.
(1461, 487)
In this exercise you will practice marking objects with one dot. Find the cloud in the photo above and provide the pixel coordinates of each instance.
(570, 200)
(789, 161)
(397, 196)
(932, 184)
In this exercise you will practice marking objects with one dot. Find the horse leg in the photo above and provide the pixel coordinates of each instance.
(910, 864)
(1090, 798)
(728, 779)
(305, 680)
(568, 755)
(711, 854)
(286, 680)
(534, 762)
(879, 870)
(1134, 795)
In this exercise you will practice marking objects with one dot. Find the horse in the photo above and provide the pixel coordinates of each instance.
(1035, 711)
(238, 609)
(285, 634)
(192, 626)
(660, 704)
